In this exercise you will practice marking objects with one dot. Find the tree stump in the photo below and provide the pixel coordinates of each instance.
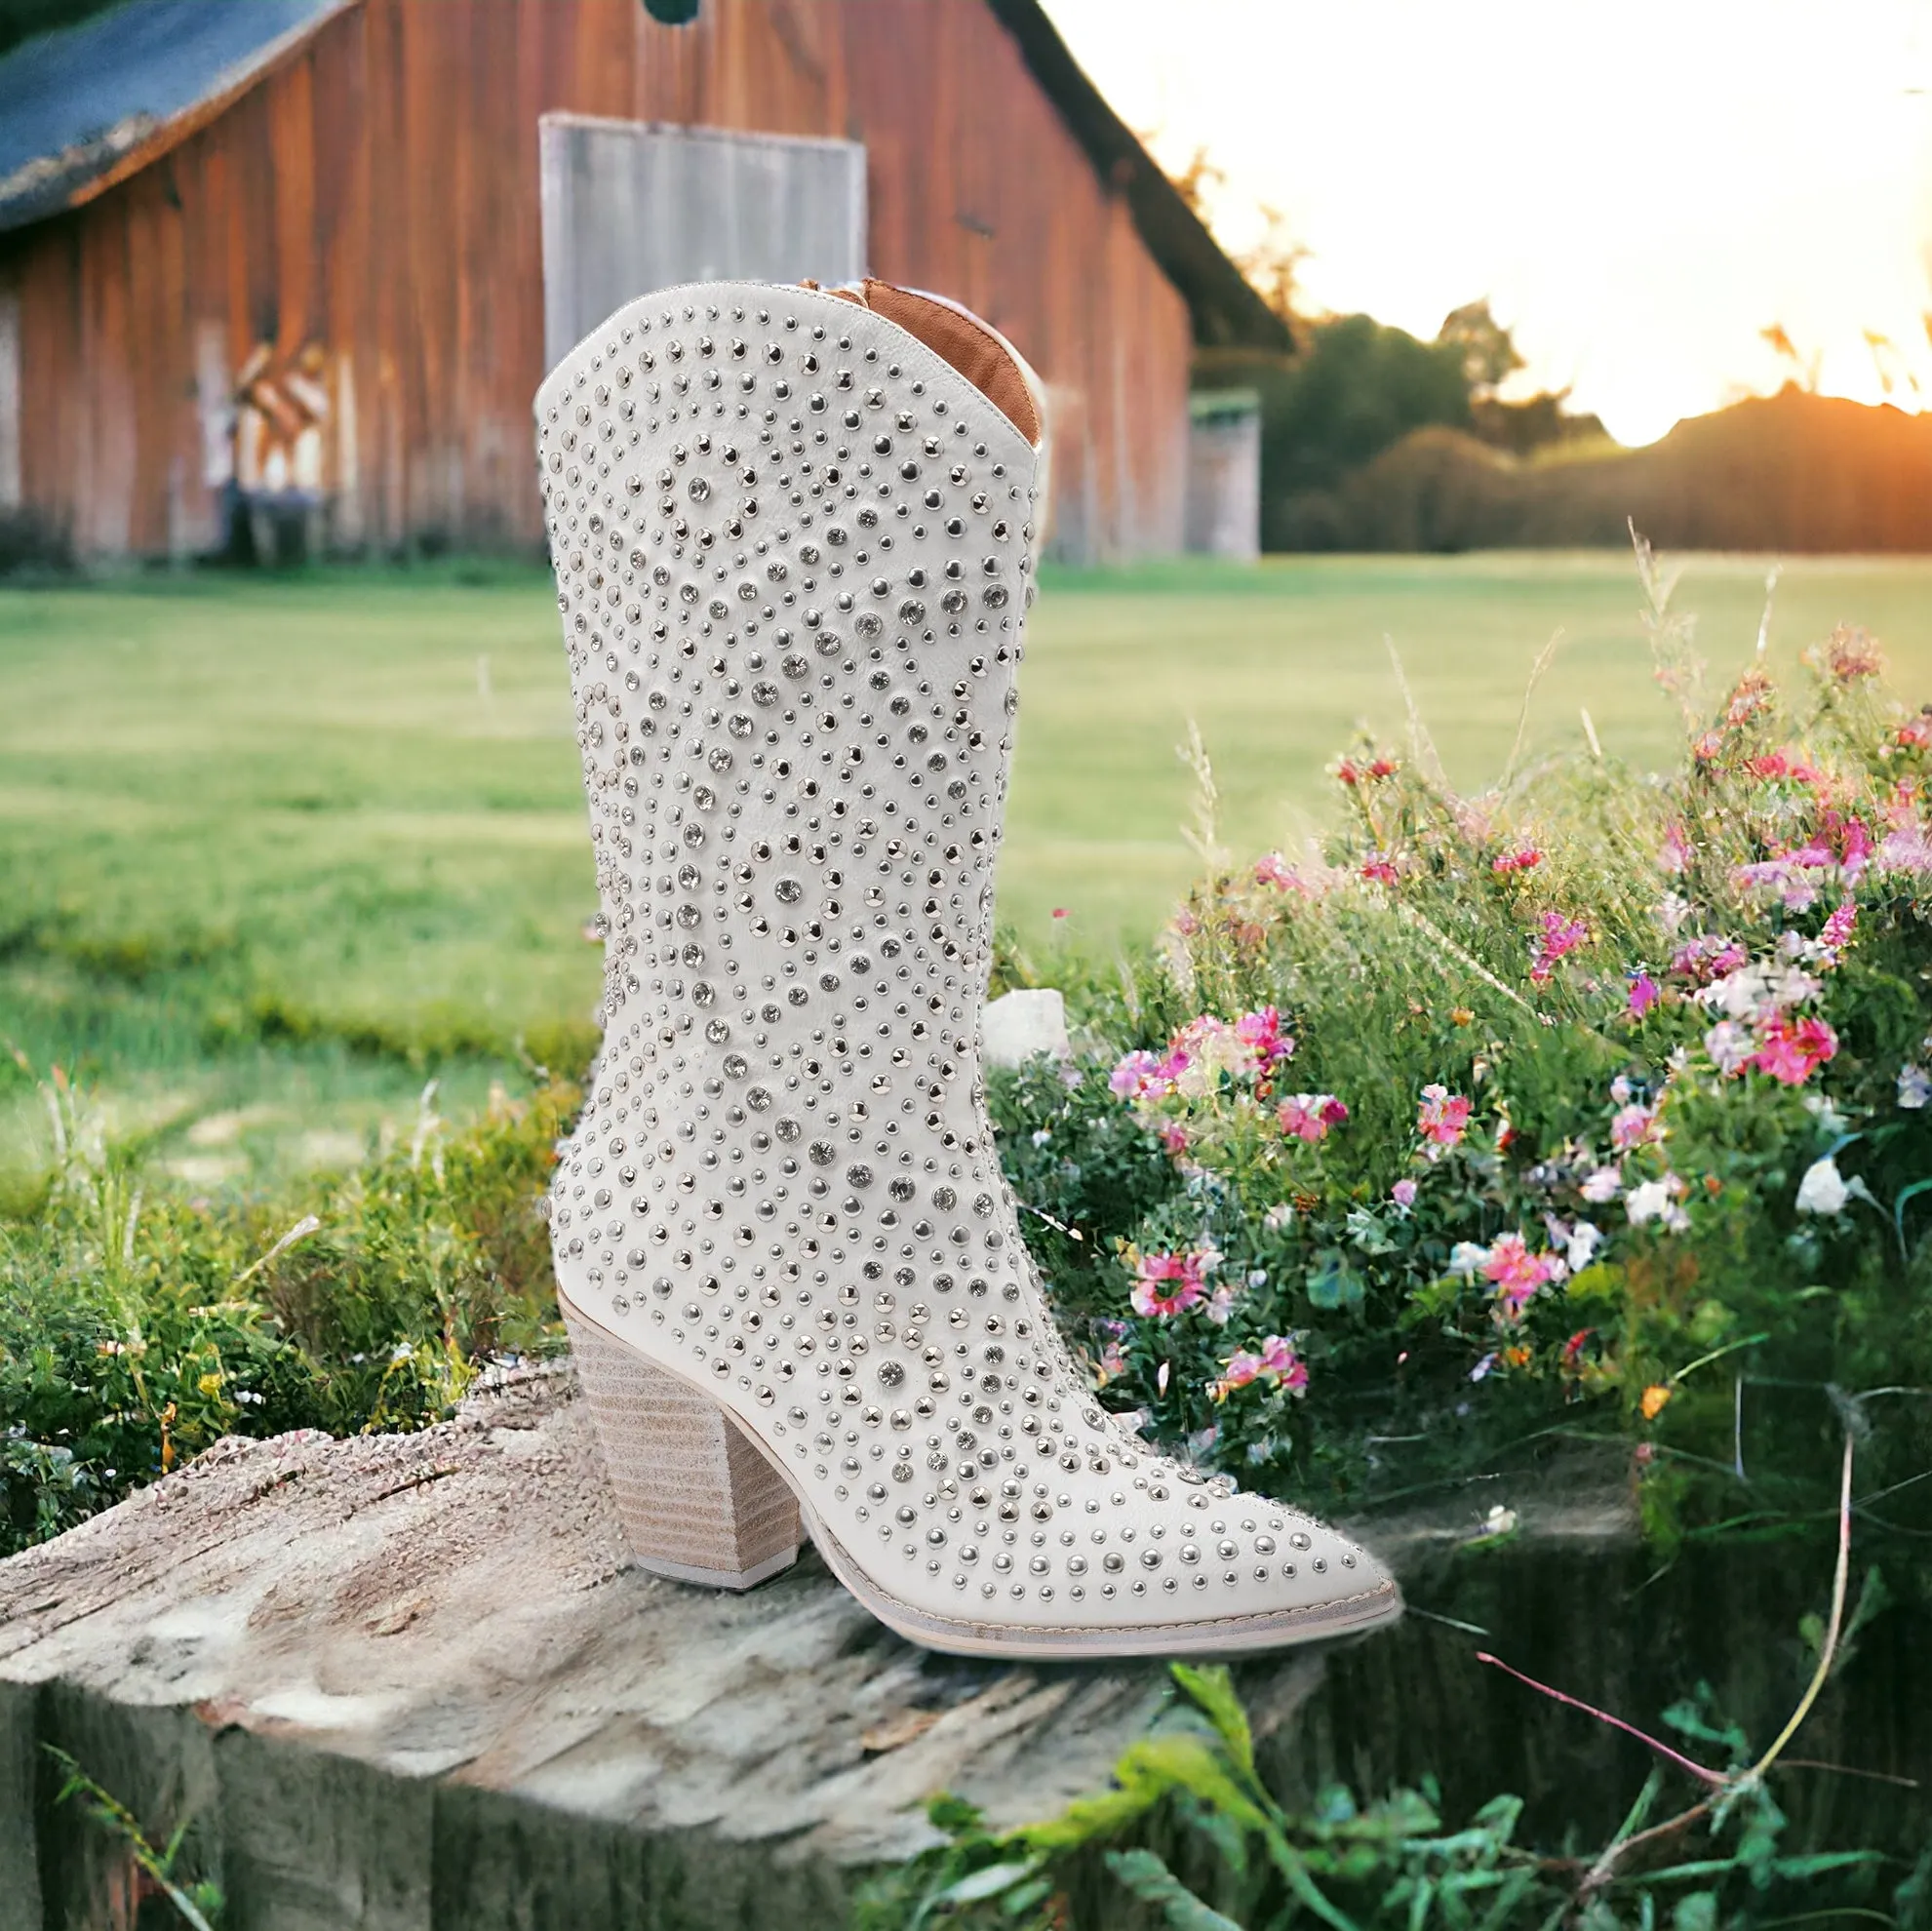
(410, 1682)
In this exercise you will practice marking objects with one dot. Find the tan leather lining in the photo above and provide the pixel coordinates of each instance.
(958, 338)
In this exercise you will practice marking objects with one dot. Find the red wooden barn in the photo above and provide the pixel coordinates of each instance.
(291, 249)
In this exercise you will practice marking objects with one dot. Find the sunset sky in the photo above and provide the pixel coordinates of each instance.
(1639, 187)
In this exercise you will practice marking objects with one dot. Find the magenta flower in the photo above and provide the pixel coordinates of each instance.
(1558, 938)
(1168, 1284)
(1517, 1275)
(1791, 1050)
(1136, 1077)
(1644, 993)
(1525, 860)
(1275, 1362)
(1274, 870)
(1380, 869)
(1241, 1368)
(1441, 1120)
(1309, 1116)
(1260, 1032)
(1635, 1127)
(1705, 958)
(1403, 1194)
(1838, 926)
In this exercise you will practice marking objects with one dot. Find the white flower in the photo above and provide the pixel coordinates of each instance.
(1586, 1237)
(1603, 1184)
(1468, 1258)
(1824, 1189)
(1657, 1199)
(1277, 1216)
(1740, 993)
(401, 1352)
(1041, 1135)
(1914, 1087)
(1729, 1046)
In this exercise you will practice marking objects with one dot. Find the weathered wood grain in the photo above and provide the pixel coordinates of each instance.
(378, 195)
(409, 1683)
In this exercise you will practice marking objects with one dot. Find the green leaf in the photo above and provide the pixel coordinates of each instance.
(1333, 1283)
(1212, 1689)
(1290, 1863)
(1150, 1881)
(989, 1882)
(1696, 1913)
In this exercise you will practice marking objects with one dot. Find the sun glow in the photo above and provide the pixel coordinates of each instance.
(1640, 190)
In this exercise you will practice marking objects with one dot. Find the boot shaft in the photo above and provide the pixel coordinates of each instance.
(793, 553)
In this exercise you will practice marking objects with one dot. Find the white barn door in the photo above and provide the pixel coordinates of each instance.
(634, 206)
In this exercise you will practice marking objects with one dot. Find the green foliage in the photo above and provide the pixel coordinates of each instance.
(21, 20)
(1357, 386)
(1233, 1859)
(197, 1903)
(1593, 1102)
(137, 1327)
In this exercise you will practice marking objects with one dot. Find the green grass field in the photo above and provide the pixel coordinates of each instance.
(262, 841)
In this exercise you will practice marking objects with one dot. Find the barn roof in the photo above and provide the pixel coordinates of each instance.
(88, 105)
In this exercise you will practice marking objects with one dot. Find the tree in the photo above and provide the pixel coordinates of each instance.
(1488, 356)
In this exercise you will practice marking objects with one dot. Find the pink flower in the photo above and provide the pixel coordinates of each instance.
(1274, 870)
(1172, 1137)
(1279, 1359)
(1275, 1362)
(1261, 1034)
(1309, 1116)
(1137, 1077)
(1240, 1368)
(1527, 859)
(1441, 1119)
(1838, 926)
(1403, 1194)
(1675, 854)
(1915, 734)
(1644, 993)
(1380, 869)
(1635, 1127)
(1517, 1275)
(1791, 1050)
(1706, 958)
(1907, 849)
(1168, 1284)
(1059, 912)
(1558, 938)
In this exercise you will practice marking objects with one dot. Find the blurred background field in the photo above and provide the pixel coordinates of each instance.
(276, 852)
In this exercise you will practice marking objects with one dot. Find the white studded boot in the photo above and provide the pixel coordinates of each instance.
(793, 535)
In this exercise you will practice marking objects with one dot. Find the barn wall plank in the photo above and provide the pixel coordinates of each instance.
(376, 199)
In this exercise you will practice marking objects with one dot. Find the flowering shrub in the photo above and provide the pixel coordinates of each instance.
(1596, 1101)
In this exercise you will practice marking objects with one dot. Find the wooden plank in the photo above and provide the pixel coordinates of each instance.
(382, 195)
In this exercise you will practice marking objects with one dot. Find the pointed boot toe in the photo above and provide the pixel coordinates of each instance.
(793, 533)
